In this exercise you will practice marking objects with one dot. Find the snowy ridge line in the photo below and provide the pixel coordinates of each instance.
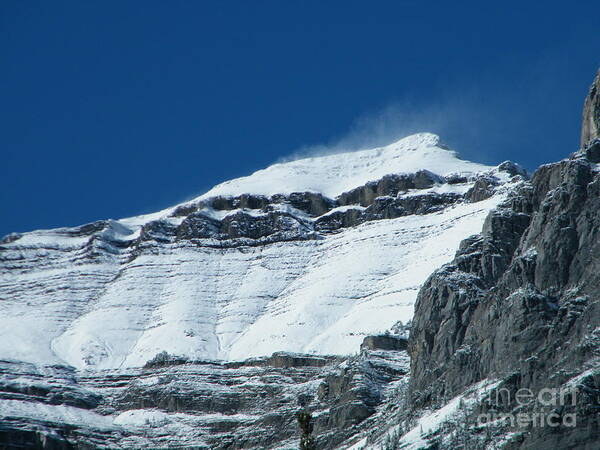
(330, 176)
(334, 174)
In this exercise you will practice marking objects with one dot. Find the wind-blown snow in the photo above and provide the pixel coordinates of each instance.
(331, 175)
(87, 301)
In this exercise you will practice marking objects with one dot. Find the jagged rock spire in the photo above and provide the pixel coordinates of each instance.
(590, 128)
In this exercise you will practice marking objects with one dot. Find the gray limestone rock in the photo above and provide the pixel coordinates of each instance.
(519, 301)
(592, 151)
(389, 185)
(384, 342)
(482, 189)
(590, 128)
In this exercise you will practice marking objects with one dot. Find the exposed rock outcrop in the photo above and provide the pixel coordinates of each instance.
(390, 185)
(521, 303)
(590, 129)
(387, 207)
(482, 189)
(385, 342)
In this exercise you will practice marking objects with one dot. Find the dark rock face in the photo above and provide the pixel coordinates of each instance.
(243, 201)
(386, 208)
(278, 226)
(390, 208)
(592, 152)
(590, 129)
(429, 203)
(456, 179)
(256, 219)
(339, 219)
(311, 203)
(354, 392)
(512, 169)
(158, 231)
(390, 185)
(385, 342)
(285, 360)
(198, 226)
(32, 438)
(482, 189)
(520, 302)
(274, 226)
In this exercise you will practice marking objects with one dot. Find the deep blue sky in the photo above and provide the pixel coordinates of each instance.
(110, 109)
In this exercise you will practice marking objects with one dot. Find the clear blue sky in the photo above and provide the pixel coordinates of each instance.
(115, 108)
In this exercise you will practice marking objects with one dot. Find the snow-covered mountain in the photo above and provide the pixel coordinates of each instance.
(306, 256)
(211, 324)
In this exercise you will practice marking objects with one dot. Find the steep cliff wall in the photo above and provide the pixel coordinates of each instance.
(520, 303)
(591, 114)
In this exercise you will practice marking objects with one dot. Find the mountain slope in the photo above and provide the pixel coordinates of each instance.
(174, 329)
(306, 256)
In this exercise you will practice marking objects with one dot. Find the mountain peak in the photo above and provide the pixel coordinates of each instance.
(334, 174)
(417, 140)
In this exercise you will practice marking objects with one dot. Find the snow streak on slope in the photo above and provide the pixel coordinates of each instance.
(319, 296)
(99, 296)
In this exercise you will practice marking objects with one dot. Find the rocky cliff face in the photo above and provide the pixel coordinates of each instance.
(174, 403)
(590, 129)
(520, 303)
